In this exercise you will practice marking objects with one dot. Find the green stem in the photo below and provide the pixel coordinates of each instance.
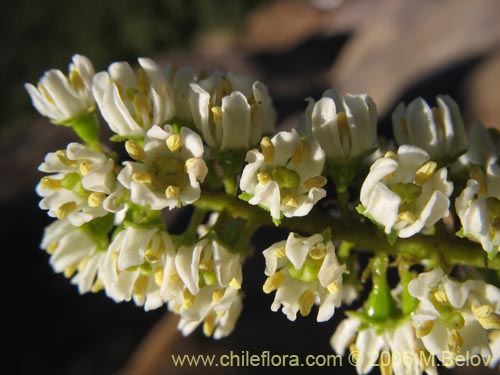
(445, 249)
(87, 128)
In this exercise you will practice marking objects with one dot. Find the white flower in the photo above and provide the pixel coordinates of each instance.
(439, 131)
(204, 287)
(478, 208)
(404, 192)
(369, 344)
(482, 149)
(75, 253)
(180, 79)
(131, 101)
(231, 111)
(454, 316)
(62, 98)
(345, 128)
(80, 182)
(135, 264)
(168, 170)
(494, 337)
(286, 177)
(218, 324)
(304, 271)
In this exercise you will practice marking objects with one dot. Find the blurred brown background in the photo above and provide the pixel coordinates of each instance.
(393, 50)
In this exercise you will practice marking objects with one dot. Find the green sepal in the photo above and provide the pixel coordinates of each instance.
(99, 230)
(124, 138)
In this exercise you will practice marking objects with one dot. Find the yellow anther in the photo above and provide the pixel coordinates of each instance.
(97, 286)
(140, 286)
(64, 210)
(290, 201)
(142, 80)
(206, 265)
(333, 287)
(455, 342)
(220, 314)
(135, 150)
(50, 183)
(158, 276)
(52, 247)
(424, 328)
(273, 282)
(306, 302)
(217, 113)
(84, 168)
(45, 93)
(141, 107)
(209, 324)
(188, 299)
(217, 296)
(226, 87)
(83, 263)
(315, 182)
(354, 352)
(235, 284)
(174, 142)
(425, 172)
(438, 119)
(477, 174)
(343, 125)
(263, 178)
(63, 158)
(76, 80)
(174, 277)
(267, 149)
(143, 178)
(318, 251)
(95, 199)
(301, 152)
(172, 192)
(152, 256)
(486, 316)
(440, 296)
(407, 216)
(385, 363)
(279, 252)
(70, 271)
(390, 155)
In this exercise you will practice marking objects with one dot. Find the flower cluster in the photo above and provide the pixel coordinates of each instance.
(426, 206)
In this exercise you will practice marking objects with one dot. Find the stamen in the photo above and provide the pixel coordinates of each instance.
(143, 178)
(306, 302)
(425, 172)
(301, 152)
(188, 299)
(174, 142)
(95, 199)
(84, 168)
(152, 256)
(50, 183)
(315, 182)
(318, 251)
(209, 324)
(64, 210)
(235, 284)
(333, 288)
(267, 149)
(279, 252)
(263, 178)
(424, 329)
(290, 201)
(158, 276)
(172, 192)
(76, 80)
(273, 282)
(135, 150)
(217, 296)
